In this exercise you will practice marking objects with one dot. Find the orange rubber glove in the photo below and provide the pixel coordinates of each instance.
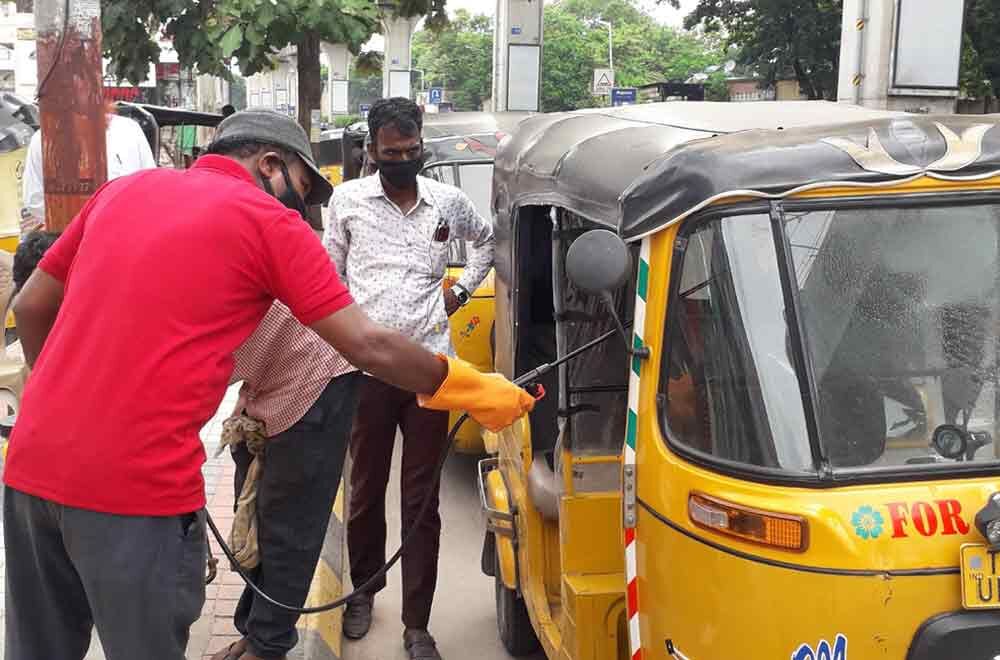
(490, 399)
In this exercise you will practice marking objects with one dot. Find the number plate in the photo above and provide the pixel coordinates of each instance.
(980, 584)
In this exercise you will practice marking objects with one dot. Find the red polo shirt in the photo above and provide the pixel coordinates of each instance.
(166, 273)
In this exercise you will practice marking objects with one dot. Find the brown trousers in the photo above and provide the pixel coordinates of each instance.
(382, 408)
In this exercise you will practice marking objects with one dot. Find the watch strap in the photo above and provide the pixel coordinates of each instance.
(461, 293)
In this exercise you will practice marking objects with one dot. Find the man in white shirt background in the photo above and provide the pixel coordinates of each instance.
(389, 235)
(128, 152)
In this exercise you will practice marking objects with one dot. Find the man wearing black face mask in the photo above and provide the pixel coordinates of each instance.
(389, 236)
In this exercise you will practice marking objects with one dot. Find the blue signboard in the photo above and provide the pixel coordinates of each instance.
(515, 30)
(435, 95)
(623, 96)
(363, 109)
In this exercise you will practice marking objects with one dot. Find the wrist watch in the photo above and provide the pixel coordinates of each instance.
(461, 294)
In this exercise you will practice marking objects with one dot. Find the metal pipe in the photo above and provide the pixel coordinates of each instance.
(859, 73)
(611, 43)
(71, 104)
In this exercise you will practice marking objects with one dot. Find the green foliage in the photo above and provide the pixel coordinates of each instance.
(207, 35)
(458, 58)
(716, 88)
(343, 121)
(434, 10)
(368, 64)
(644, 51)
(980, 72)
(778, 37)
(973, 79)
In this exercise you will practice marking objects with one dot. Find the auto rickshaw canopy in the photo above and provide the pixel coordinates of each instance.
(637, 169)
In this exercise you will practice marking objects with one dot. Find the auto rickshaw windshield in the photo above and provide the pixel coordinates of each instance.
(896, 317)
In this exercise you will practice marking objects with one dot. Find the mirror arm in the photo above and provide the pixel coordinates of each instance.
(641, 352)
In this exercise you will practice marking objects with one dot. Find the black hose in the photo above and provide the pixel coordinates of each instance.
(381, 572)
(523, 380)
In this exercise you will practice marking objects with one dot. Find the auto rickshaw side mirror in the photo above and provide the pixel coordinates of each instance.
(599, 263)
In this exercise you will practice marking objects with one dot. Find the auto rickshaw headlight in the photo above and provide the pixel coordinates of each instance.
(950, 441)
(988, 521)
(777, 530)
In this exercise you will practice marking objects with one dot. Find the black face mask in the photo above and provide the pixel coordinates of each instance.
(401, 173)
(290, 198)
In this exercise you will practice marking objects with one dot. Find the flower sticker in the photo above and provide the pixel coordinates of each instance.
(867, 522)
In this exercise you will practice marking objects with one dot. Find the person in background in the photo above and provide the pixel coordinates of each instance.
(128, 152)
(302, 393)
(389, 235)
(29, 252)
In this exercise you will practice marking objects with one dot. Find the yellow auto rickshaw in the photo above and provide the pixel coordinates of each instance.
(331, 156)
(18, 121)
(777, 436)
(459, 150)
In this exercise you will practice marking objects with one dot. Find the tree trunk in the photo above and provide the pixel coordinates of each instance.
(25, 6)
(310, 98)
(310, 79)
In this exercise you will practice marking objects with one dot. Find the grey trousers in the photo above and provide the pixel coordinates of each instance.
(139, 580)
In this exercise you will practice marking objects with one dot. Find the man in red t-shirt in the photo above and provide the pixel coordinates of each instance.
(130, 323)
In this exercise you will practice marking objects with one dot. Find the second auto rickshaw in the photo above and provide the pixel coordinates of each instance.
(793, 452)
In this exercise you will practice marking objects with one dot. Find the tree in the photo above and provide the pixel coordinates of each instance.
(209, 34)
(644, 51)
(980, 70)
(458, 58)
(776, 36)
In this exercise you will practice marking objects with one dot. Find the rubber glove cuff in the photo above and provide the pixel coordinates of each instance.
(490, 399)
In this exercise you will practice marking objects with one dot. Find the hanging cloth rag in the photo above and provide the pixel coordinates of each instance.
(243, 535)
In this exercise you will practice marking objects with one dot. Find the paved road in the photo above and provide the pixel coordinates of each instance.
(464, 616)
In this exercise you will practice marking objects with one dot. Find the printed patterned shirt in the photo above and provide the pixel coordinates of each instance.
(394, 263)
(285, 366)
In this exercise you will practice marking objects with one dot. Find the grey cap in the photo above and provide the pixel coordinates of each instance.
(268, 126)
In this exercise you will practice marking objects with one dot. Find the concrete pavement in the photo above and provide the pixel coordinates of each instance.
(464, 617)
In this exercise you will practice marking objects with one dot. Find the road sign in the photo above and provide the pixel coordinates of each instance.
(363, 109)
(624, 96)
(604, 80)
(435, 95)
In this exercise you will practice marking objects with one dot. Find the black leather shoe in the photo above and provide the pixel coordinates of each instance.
(358, 617)
(420, 645)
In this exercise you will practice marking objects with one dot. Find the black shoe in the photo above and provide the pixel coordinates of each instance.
(420, 645)
(358, 616)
